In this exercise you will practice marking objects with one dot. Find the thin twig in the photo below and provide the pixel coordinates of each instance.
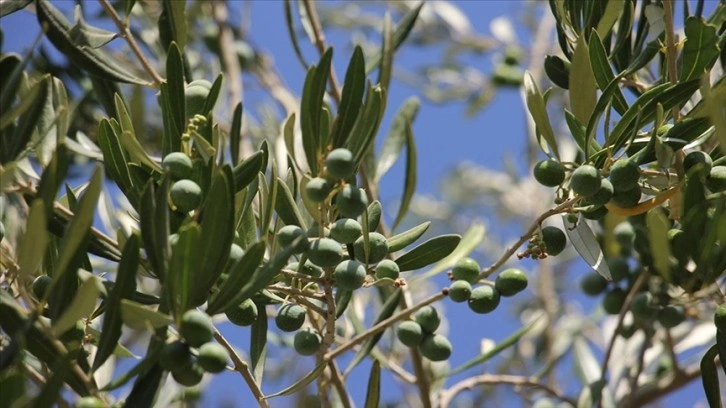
(319, 40)
(241, 367)
(337, 379)
(664, 386)
(448, 395)
(126, 33)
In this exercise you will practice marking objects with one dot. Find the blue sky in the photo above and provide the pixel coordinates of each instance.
(445, 138)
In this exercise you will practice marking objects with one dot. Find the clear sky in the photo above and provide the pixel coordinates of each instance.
(445, 138)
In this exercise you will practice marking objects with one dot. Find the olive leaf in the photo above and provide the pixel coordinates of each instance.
(428, 252)
(585, 243)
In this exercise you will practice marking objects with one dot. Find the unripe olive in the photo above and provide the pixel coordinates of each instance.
(75, 333)
(592, 284)
(625, 235)
(436, 347)
(664, 129)
(378, 248)
(387, 269)
(178, 164)
(624, 175)
(698, 159)
(351, 201)
(585, 180)
(235, 254)
(290, 317)
(346, 230)
(212, 357)
(678, 244)
(410, 333)
(613, 301)
(195, 95)
(340, 164)
(603, 195)
(484, 299)
(716, 181)
(196, 327)
(89, 402)
(507, 75)
(642, 306)
(671, 316)
(511, 281)
(40, 286)
(619, 268)
(243, 314)
(549, 173)
(307, 342)
(175, 355)
(317, 189)
(188, 376)
(627, 331)
(349, 275)
(308, 268)
(186, 195)
(428, 318)
(719, 318)
(460, 291)
(325, 252)
(554, 239)
(627, 198)
(596, 213)
(287, 235)
(466, 269)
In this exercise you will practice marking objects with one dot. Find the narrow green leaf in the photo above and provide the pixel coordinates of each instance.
(268, 203)
(396, 137)
(184, 265)
(658, 227)
(49, 393)
(258, 344)
(136, 152)
(145, 388)
(429, 252)
(115, 161)
(366, 127)
(558, 71)
(354, 87)
(387, 310)
(84, 34)
(404, 239)
(173, 23)
(472, 238)
(140, 368)
(701, 49)
(140, 317)
(603, 73)
(172, 93)
(34, 241)
(154, 215)
(721, 344)
(246, 171)
(301, 383)
(83, 304)
(312, 108)
(213, 94)
(286, 207)
(27, 99)
(27, 123)
(409, 186)
(583, 97)
(387, 51)
(585, 243)
(342, 300)
(263, 275)
(235, 134)
(709, 377)
(293, 33)
(373, 393)
(578, 131)
(241, 274)
(538, 111)
(373, 213)
(9, 7)
(612, 12)
(400, 33)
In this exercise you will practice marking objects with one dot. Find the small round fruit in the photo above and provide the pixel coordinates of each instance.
(212, 357)
(436, 347)
(178, 164)
(340, 164)
(619, 268)
(624, 235)
(307, 342)
(716, 180)
(308, 268)
(549, 173)
(186, 195)
(554, 239)
(349, 275)
(75, 333)
(595, 213)
(89, 402)
(289, 233)
(507, 75)
(318, 189)
(378, 248)
(175, 356)
(290, 317)
(613, 301)
(592, 284)
(244, 314)
(351, 201)
(460, 291)
(387, 269)
(664, 129)
(325, 252)
(585, 180)
(679, 244)
(195, 95)
(642, 306)
(603, 195)
(671, 316)
(484, 299)
(466, 269)
(410, 333)
(40, 286)
(235, 254)
(428, 318)
(510, 282)
(627, 198)
(719, 318)
(627, 331)
(624, 175)
(346, 230)
(188, 376)
(196, 327)
(698, 159)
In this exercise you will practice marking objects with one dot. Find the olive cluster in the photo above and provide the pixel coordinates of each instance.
(420, 332)
(486, 297)
(194, 353)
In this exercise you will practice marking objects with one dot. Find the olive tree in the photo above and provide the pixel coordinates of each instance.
(197, 214)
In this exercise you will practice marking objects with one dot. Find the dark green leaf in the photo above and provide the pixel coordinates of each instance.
(577, 129)
(286, 207)
(373, 213)
(709, 377)
(136, 152)
(145, 388)
(721, 344)
(409, 186)
(213, 94)
(246, 171)
(83, 34)
(293, 33)
(82, 305)
(154, 215)
(235, 134)
(140, 368)
(311, 108)
(172, 98)
(241, 274)
(342, 300)
(558, 71)
(429, 252)
(406, 238)
(700, 50)
(27, 122)
(603, 73)
(366, 127)
(353, 89)
(49, 393)
(387, 311)
(173, 23)
(397, 136)
(115, 161)
(9, 7)
(373, 393)
(400, 33)
(258, 344)
(185, 262)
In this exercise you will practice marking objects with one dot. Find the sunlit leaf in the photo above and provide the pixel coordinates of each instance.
(585, 243)
(429, 252)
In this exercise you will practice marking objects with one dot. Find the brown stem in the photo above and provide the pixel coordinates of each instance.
(241, 367)
(448, 395)
(126, 33)
(664, 386)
